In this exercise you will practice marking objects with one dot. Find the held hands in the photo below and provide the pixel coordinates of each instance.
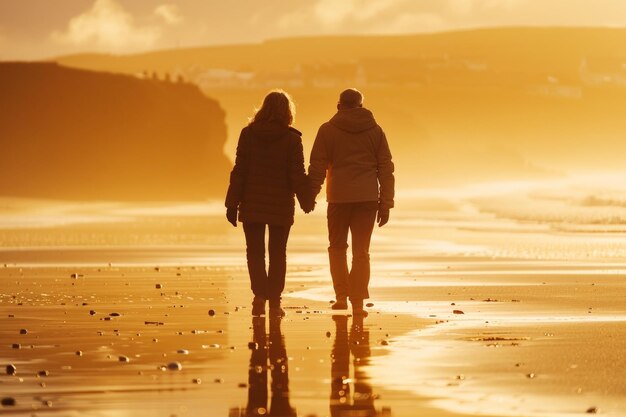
(308, 206)
(231, 216)
(382, 217)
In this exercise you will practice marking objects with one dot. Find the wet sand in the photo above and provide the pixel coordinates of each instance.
(548, 344)
(96, 362)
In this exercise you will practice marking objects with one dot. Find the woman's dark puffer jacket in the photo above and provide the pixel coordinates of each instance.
(268, 171)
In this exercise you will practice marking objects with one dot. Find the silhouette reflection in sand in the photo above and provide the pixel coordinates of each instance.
(267, 354)
(360, 402)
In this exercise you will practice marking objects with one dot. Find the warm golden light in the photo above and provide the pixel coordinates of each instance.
(495, 288)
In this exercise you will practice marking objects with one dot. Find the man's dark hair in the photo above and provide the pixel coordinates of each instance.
(350, 98)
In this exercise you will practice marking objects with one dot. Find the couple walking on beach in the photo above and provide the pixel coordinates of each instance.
(351, 153)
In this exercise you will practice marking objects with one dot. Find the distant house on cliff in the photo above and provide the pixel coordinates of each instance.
(219, 77)
(556, 87)
(611, 71)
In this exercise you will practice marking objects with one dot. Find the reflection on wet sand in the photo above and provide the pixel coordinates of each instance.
(361, 403)
(263, 349)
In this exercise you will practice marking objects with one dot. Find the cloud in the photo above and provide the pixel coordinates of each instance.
(334, 12)
(467, 7)
(107, 25)
(415, 22)
(169, 13)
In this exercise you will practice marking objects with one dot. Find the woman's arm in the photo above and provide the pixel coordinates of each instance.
(238, 175)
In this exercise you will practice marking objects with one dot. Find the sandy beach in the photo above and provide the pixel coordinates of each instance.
(112, 310)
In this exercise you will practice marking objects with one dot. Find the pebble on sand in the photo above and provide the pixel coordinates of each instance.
(79, 353)
(114, 314)
(158, 286)
(43, 373)
(23, 331)
(11, 369)
(253, 345)
(124, 359)
(182, 352)
(16, 346)
(8, 401)
(369, 305)
(592, 410)
(174, 366)
(197, 381)
(92, 312)
(211, 312)
(458, 312)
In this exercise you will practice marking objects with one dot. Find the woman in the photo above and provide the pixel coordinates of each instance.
(268, 171)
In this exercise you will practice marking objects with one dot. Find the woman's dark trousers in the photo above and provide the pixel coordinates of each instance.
(266, 283)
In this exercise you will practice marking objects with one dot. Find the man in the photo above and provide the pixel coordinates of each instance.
(352, 153)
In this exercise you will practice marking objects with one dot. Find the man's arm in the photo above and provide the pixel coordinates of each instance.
(318, 163)
(386, 180)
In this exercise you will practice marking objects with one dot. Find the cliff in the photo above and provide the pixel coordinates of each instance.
(83, 135)
(463, 106)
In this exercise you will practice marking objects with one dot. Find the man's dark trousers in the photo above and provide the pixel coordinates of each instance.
(358, 219)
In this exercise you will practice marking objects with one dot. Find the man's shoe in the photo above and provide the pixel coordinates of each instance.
(258, 306)
(340, 304)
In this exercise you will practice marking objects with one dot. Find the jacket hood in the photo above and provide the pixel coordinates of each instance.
(271, 131)
(354, 120)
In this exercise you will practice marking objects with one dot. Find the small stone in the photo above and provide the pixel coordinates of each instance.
(369, 305)
(182, 351)
(384, 343)
(16, 346)
(242, 385)
(92, 312)
(43, 373)
(79, 353)
(458, 312)
(530, 376)
(174, 366)
(592, 410)
(328, 334)
(211, 312)
(218, 380)
(115, 314)
(11, 369)
(253, 345)
(74, 276)
(8, 401)
(124, 359)
(158, 286)
(197, 381)
(23, 331)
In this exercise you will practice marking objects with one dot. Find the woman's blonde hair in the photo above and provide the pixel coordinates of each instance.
(277, 107)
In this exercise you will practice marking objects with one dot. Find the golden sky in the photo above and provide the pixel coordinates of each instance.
(32, 29)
